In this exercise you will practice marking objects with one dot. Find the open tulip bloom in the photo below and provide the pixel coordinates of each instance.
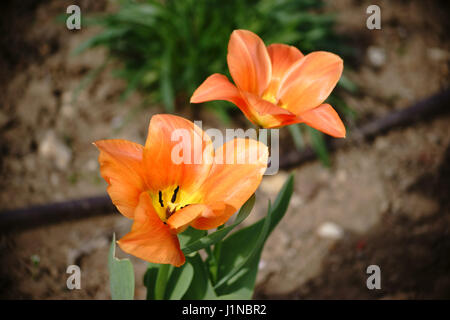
(164, 194)
(277, 85)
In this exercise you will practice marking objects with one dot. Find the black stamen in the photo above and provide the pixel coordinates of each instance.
(174, 196)
(169, 213)
(160, 199)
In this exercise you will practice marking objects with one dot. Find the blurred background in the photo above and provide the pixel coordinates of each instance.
(380, 197)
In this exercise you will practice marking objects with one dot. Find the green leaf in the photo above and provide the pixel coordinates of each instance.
(179, 281)
(109, 35)
(150, 279)
(241, 251)
(297, 136)
(342, 107)
(121, 275)
(190, 236)
(166, 85)
(319, 146)
(347, 84)
(200, 288)
(222, 233)
(254, 255)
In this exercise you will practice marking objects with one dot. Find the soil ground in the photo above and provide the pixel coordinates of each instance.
(387, 198)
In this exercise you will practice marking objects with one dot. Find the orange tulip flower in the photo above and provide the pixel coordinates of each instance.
(164, 196)
(277, 85)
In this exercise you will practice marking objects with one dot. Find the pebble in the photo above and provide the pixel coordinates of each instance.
(55, 150)
(67, 111)
(92, 165)
(296, 201)
(330, 230)
(262, 264)
(377, 56)
(341, 176)
(437, 54)
(117, 122)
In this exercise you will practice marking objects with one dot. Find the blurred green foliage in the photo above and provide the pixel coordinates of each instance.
(169, 47)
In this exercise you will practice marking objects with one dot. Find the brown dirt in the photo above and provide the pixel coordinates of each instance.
(388, 196)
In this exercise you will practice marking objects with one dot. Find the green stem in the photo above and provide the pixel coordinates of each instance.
(161, 281)
(258, 128)
(215, 258)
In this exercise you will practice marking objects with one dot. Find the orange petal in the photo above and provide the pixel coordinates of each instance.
(248, 61)
(310, 81)
(122, 168)
(218, 87)
(150, 239)
(265, 113)
(176, 153)
(182, 218)
(282, 57)
(218, 214)
(237, 172)
(325, 119)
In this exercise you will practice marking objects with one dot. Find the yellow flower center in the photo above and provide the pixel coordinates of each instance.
(270, 94)
(169, 200)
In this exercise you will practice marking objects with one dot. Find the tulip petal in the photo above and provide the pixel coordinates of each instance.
(182, 218)
(265, 113)
(218, 214)
(150, 239)
(310, 81)
(263, 107)
(325, 119)
(176, 153)
(218, 87)
(282, 57)
(122, 168)
(249, 61)
(236, 174)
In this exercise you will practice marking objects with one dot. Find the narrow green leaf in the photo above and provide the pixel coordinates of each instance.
(121, 275)
(347, 84)
(319, 146)
(220, 234)
(150, 279)
(200, 288)
(238, 256)
(166, 86)
(342, 107)
(189, 236)
(297, 136)
(257, 248)
(109, 35)
(179, 281)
